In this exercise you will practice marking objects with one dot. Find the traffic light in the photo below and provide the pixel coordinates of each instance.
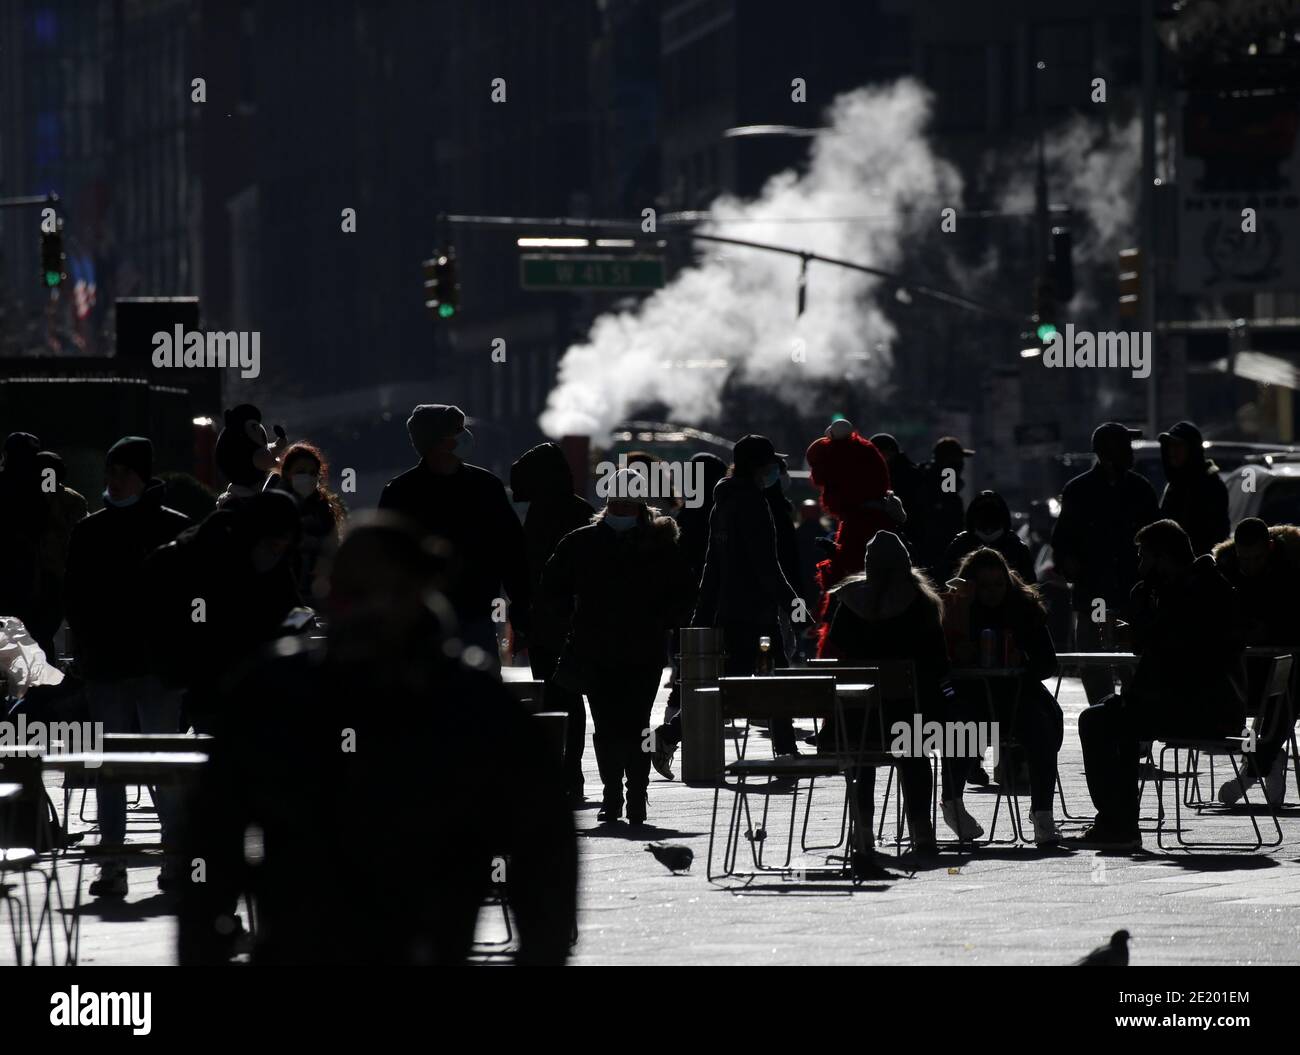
(52, 260)
(1062, 260)
(441, 287)
(1130, 282)
(1044, 308)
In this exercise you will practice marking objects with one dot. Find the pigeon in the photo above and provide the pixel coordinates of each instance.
(675, 858)
(1114, 954)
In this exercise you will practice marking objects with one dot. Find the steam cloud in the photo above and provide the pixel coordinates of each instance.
(733, 314)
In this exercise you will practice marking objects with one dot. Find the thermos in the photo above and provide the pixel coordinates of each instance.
(988, 648)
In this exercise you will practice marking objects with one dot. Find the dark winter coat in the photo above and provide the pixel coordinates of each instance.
(915, 634)
(908, 482)
(986, 506)
(622, 592)
(1270, 601)
(107, 604)
(940, 517)
(542, 478)
(787, 537)
(1093, 541)
(469, 509)
(693, 523)
(742, 581)
(1195, 496)
(242, 608)
(320, 530)
(1191, 675)
(277, 764)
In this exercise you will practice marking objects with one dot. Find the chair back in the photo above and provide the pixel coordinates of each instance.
(1276, 687)
(777, 697)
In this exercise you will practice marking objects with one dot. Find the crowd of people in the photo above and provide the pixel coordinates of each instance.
(390, 640)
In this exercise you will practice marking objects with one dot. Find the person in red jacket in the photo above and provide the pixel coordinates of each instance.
(853, 478)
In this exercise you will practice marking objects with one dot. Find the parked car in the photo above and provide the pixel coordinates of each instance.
(1271, 491)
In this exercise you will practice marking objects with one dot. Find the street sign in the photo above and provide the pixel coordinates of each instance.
(551, 271)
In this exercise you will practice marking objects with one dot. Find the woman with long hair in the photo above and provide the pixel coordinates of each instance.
(304, 474)
(989, 596)
(889, 612)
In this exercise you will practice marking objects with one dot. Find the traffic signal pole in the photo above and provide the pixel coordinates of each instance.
(900, 282)
(1146, 207)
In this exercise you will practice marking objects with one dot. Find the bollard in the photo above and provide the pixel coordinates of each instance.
(700, 665)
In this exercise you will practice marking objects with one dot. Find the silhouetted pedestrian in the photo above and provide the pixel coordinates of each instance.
(543, 478)
(1195, 497)
(940, 509)
(988, 523)
(467, 506)
(304, 474)
(1101, 512)
(626, 585)
(112, 625)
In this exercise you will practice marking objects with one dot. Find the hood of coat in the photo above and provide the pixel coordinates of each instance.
(1197, 463)
(655, 532)
(1285, 538)
(988, 507)
(540, 473)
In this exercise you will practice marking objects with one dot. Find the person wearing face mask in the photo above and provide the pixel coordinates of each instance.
(743, 589)
(620, 584)
(988, 523)
(111, 624)
(991, 595)
(221, 591)
(940, 507)
(303, 474)
(1092, 543)
(468, 507)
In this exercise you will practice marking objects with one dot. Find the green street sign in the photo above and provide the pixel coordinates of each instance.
(546, 271)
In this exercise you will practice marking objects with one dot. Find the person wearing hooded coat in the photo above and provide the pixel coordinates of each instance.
(111, 622)
(218, 592)
(743, 589)
(988, 523)
(1195, 496)
(622, 584)
(543, 478)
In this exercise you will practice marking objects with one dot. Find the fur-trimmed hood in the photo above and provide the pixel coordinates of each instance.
(1285, 536)
(655, 532)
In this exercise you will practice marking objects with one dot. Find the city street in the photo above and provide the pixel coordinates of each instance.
(1009, 905)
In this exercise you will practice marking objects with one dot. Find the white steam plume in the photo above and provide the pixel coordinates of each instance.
(738, 305)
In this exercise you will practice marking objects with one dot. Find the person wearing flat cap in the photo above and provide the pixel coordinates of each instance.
(108, 607)
(1102, 511)
(468, 507)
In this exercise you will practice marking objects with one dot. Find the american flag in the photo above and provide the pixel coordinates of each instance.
(82, 269)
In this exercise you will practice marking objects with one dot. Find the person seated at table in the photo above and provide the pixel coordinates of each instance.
(1189, 682)
(1263, 565)
(993, 597)
(890, 611)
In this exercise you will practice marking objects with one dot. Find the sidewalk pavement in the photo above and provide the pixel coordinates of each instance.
(1007, 905)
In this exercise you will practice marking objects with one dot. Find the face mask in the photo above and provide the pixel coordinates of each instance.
(991, 535)
(464, 444)
(120, 503)
(621, 524)
(303, 484)
(771, 476)
(263, 557)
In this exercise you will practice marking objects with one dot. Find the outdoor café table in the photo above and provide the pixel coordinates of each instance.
(1092, 659)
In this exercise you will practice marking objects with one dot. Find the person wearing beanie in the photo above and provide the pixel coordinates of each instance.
(112, 626)
(1102, 510)
(467, 506)
(620, 585)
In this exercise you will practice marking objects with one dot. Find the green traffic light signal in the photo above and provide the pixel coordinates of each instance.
(1046, 331)
(52, 278)
(446, 311)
